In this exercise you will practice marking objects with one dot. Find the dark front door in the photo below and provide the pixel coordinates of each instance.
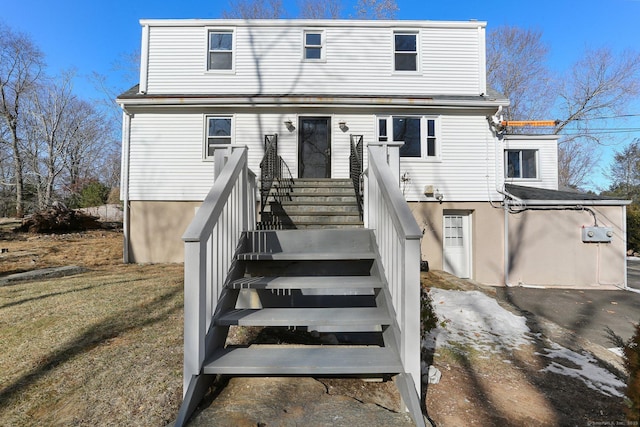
(314, 147)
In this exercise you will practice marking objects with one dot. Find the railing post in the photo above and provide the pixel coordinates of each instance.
(411, 336)
(220, 157)
(392, 156)
(195, 305)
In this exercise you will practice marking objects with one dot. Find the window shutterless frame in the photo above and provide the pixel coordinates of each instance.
(313, 45)
(220, 50)
(405, 51)
(218, 131)
(521, 164)
(420, 135)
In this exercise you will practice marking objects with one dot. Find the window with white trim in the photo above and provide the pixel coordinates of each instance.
(419, 134)
(405, 51)
(313, 45)
(521, 164)
(218, 132)
(220, 46)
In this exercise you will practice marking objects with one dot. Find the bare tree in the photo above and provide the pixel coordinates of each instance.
(376, 9)
(255, 9)
(516, 67)
(314, 9)
(601, 84)
(310, 9)
(21, 67)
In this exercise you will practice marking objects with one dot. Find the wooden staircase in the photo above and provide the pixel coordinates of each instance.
(322, 280)
(312, 203)
(324, 274)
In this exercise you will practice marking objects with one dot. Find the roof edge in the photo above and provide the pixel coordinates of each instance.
(387, 23)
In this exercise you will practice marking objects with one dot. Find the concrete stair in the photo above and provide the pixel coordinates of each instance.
(313, 203)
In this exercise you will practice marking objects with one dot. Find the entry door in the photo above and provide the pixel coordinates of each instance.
(457, 244)
(314, 147)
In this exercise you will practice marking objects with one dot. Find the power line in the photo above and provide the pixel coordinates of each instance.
(608, 117)
(599, 132)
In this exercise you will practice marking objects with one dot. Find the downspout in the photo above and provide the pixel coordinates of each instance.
(494, 123)
(124, 183)
(507, 265)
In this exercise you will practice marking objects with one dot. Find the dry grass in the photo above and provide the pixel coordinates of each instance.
(100, 348)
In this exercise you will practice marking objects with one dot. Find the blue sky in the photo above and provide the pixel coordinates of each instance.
(91, 35)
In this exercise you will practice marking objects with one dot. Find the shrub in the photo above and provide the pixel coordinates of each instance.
(428, 317)
(94, 194)
(632, 365)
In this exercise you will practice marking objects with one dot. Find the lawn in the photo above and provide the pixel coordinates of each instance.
(99, 348)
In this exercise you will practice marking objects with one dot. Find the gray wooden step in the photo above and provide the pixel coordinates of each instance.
(328, 225)
(323, 190)
(344, 317)
(328, 218)
(323, 182)
(321, 197)
(320, 208)
(305, 256)
(308, 360)
(307, 282)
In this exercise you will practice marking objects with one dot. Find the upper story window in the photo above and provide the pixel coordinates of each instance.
(419, 134)
(313, 45)
(218, 131)
(220, 50)
(521, 164)
(405, 49)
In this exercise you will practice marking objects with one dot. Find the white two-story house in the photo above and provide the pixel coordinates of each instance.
(442, 183)
(206, 83)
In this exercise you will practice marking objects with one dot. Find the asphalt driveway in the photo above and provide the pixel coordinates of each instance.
(587, 313)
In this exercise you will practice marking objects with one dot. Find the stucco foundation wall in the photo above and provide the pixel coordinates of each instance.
(546, 248)
(156, 229)
(487, 234)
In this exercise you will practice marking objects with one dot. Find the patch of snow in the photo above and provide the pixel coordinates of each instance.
(617, 350)
(592, 375)
(471, 318)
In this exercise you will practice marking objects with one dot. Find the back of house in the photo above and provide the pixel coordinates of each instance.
(315, 84)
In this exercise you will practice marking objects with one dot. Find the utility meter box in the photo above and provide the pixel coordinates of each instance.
(597, 234)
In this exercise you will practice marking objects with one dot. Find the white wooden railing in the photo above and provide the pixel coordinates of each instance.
(210, 242)
(398, 237)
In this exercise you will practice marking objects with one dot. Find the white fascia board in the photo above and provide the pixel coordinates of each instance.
(324, 23)
(319, 101)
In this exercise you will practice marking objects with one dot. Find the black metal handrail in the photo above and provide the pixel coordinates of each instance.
(273, 167)
(269, 168)
(356, 168)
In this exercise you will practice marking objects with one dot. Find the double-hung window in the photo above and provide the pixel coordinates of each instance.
(313, 45)
(521, 164)
(405, 51)
(218, 132)
(220, 50)
(418, 133)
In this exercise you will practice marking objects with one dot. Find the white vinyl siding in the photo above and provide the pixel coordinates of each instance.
(357, 61)
(546, 148)
(467, 167)
(165, 160)
(166, 153)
